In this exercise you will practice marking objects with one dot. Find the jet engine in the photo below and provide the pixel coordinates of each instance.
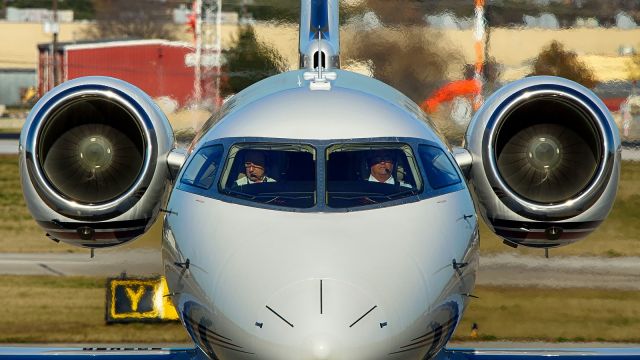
(545, 161)
(93, 161)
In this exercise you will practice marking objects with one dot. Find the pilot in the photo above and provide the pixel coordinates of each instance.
(381, 167)
(255, 162)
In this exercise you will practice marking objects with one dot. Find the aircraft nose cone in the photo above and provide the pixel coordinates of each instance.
(320, 349)
(322, 320)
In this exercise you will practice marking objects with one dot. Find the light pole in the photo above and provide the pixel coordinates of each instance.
(54, 28)
(218, 50)
(479, 37)
(197, 86)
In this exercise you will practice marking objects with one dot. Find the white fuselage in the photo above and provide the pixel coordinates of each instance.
(396, 259)
(364, 283)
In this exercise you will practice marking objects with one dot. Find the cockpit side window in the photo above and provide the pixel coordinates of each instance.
(438, 168)
(364, 174)
(271, 173)
(202, 168)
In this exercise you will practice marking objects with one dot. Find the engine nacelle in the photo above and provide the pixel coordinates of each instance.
(546, 161)
(93, 161)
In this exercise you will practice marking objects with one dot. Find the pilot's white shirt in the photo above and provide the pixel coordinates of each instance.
(390, 180)
(246, 181)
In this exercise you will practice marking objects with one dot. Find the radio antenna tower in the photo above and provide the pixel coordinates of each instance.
(197, 83)
(218, 52)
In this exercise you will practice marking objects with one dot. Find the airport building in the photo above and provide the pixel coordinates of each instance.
(161, 68)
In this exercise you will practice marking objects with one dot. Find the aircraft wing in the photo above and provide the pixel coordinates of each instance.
(539, 353)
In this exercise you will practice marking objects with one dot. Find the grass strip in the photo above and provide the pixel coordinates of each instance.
(46, 309)
(553, 315)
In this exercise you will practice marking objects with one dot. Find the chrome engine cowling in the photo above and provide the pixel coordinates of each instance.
(93, 161)
(546, 161)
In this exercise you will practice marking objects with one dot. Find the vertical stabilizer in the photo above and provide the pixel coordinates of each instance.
(319, 34)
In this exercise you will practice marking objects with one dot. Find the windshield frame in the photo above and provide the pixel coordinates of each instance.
(359, 196)
(320, 147)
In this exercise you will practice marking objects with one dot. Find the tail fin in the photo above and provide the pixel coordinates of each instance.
(319, 34)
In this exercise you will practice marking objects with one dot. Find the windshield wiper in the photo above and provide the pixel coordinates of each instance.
(347, 195)
(239, 194)
(402, 194)
(282, 198)
(368, 196)
(363, 197)
(289, 194)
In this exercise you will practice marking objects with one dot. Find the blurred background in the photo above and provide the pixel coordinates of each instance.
(447, 56)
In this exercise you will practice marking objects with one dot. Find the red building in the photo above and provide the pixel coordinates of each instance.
(158, 67)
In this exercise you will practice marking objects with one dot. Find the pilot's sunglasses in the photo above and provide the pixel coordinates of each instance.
(380, 159)
(250, 164)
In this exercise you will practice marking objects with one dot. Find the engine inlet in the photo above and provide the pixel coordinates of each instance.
(548, 150)
(92, 150)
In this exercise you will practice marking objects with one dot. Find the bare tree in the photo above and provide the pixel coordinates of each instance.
(555, 60)
(139, 19)
(249, 61)
(405, 12)
(411, 60)
(633, 68)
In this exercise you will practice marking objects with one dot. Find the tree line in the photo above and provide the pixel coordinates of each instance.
(249, 61)
(500, 13)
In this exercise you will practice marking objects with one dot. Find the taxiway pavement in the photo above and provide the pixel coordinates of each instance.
(144, 262)
(507, 269)
(8, 146)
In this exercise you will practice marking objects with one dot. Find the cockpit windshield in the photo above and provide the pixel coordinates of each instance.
(321, 175)
(364, 174)
(201, 171)
(274, 174)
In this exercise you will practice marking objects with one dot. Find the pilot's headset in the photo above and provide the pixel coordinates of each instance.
(395, 158)
(392, 153)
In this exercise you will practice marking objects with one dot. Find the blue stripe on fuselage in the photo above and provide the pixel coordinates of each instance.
(540, 353)
(319, 19)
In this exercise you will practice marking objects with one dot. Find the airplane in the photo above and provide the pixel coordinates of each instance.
(320, 214)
